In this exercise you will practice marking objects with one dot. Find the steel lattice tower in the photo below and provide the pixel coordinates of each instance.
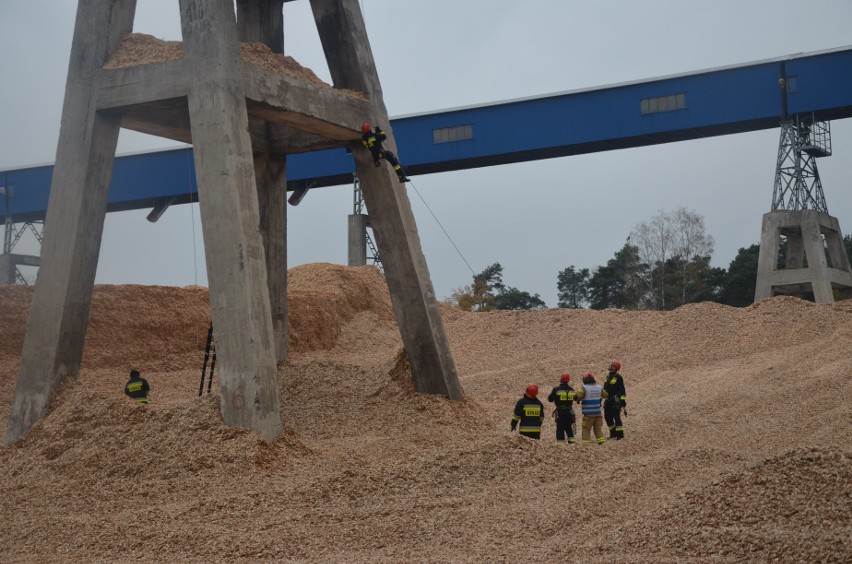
(797, 183)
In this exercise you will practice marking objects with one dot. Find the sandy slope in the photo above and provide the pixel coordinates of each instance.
(737, 443)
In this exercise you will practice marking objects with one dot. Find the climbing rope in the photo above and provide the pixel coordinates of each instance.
(450, 239)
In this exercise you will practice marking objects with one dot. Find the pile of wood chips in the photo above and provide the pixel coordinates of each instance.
(737, 438)
(141, 49)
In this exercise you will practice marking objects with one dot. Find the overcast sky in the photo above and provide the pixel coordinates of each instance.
(533, 218)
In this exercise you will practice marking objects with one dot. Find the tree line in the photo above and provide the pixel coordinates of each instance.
(665, 263)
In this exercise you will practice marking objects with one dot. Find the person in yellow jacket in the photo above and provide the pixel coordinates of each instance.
(590, 394)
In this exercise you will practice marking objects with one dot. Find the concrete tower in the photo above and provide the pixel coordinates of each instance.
(242, 121)
(815, 262)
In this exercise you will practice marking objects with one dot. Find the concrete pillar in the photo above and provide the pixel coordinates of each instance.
(271, 177)
(7, 270)
(59, 313)
(357, 239)
(262, 21)
(228, 201)
(350, 62)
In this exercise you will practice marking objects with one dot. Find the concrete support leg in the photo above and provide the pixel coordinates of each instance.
(7, 270)
(271, 178)
(768, 256)
(795, 257)
(59, 314)
(357, 240)
(262, 21)
(817, 263)
(350, 61)
(228, 201)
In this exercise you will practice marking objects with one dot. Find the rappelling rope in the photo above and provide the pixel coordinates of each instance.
(450, 239)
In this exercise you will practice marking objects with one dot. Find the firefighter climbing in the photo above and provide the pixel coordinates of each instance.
(529, 412)
(373, 140)
(616, 401)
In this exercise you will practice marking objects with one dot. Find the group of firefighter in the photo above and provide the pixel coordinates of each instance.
(597, 403)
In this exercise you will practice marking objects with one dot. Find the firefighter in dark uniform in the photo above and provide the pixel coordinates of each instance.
(529, 412)
(563, 396)
(372, 141)
(615, 401)
(137, 387)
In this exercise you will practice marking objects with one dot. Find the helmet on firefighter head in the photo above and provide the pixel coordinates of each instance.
(565, 378)
(366, 127)
(588, 378)
(532, 390)
(615, 366)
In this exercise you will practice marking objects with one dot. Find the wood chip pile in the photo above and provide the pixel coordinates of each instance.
(142, 49)
(737, 438)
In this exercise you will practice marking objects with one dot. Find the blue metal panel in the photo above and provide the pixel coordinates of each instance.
(718, 102)
(824, 83)
(29, 188)
(146, 177)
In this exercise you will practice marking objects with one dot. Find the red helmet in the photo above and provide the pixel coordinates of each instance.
(615, 366)
(588, 378)
(532, 390)
(366, 127)
(565, 378)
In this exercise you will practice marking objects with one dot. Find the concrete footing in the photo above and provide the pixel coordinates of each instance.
(815, 264)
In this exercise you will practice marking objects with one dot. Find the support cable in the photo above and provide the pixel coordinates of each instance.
(450, 239)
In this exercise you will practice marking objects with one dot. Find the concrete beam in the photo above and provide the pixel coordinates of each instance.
(143, 84)
(285, 100)
(151, 99)
(59, 313)
(228, 200)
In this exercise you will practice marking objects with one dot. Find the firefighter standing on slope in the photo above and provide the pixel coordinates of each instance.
(529, 412)
(590, 394)
(373, 140)
(615, 401)
(563, 396)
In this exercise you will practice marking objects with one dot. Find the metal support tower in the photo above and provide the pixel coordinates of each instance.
(815, 264)
(359, 238)
(10, 273)
(797, 183)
